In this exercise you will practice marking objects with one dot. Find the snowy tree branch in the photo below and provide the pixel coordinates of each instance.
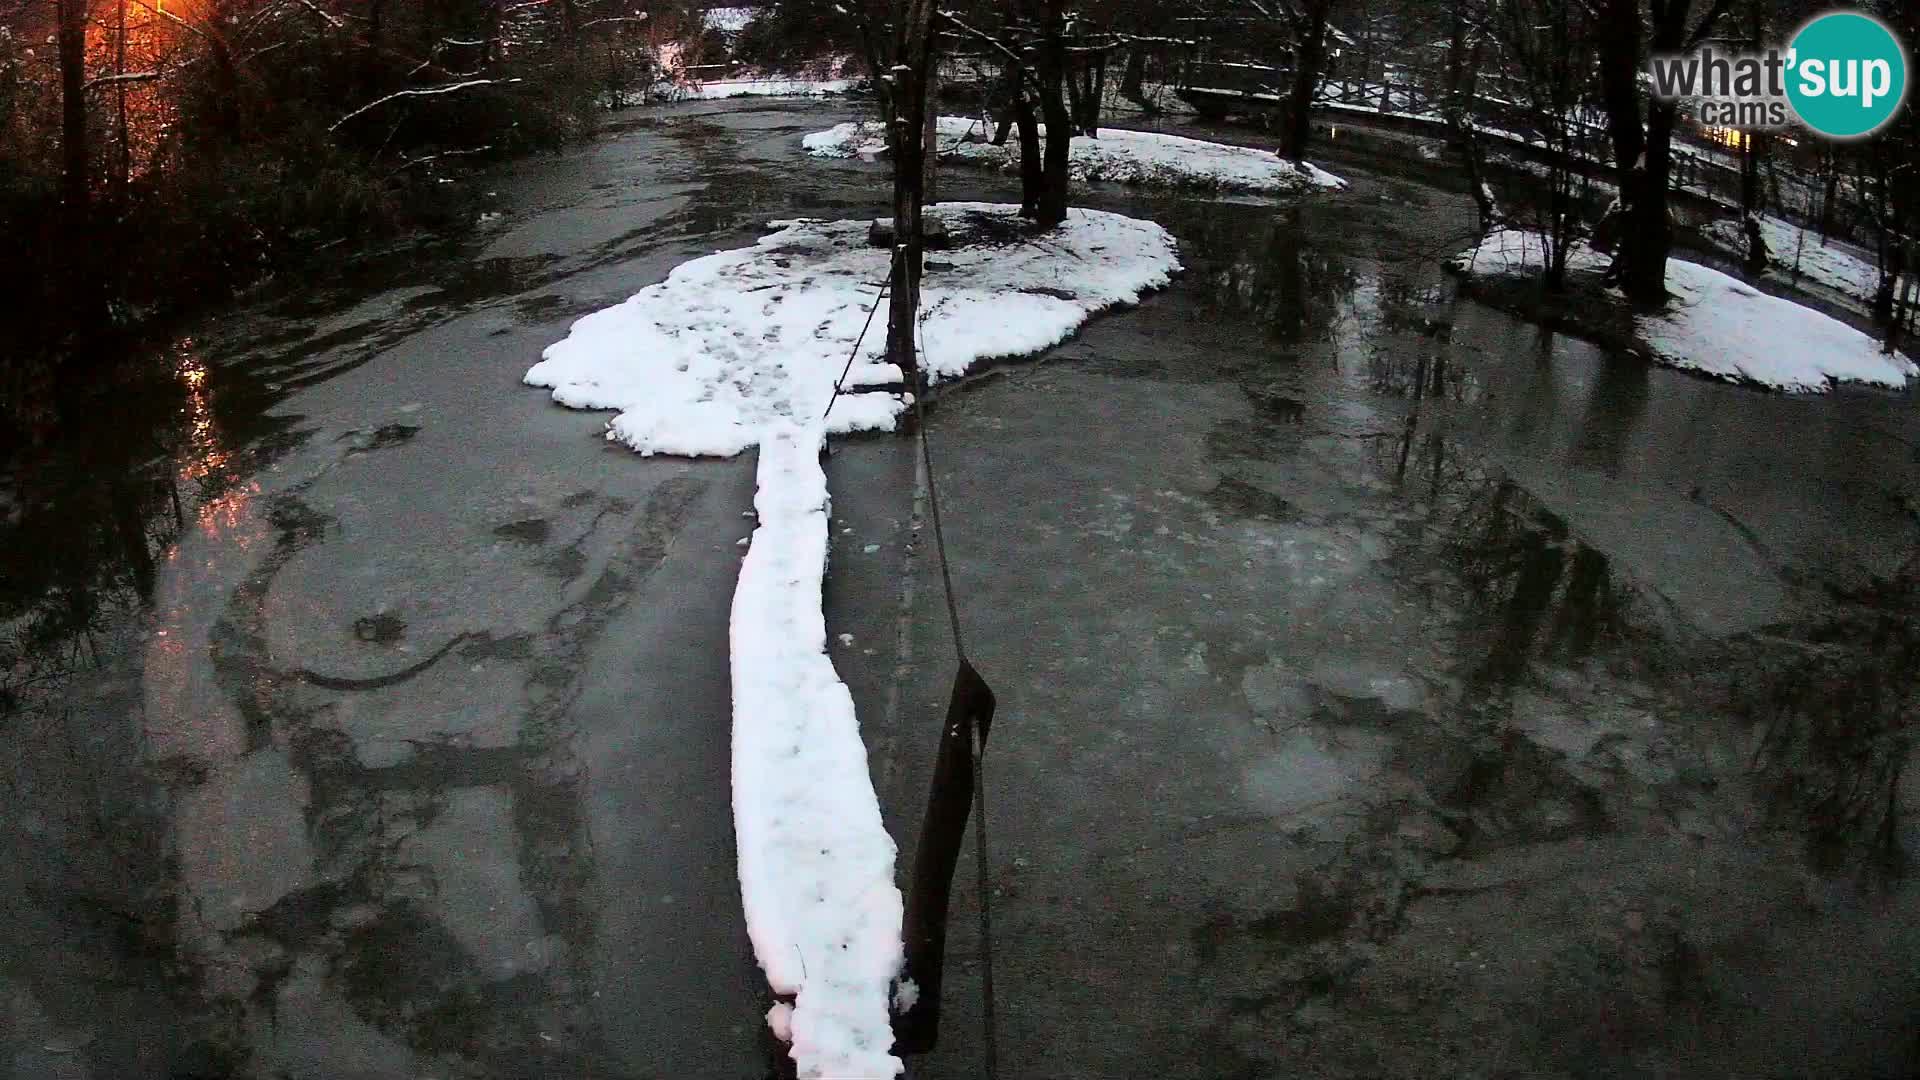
(410, 162)
(129, 77)
(986, 38)
(324, 16)
(433, 91)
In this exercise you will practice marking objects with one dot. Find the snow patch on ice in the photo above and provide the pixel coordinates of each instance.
(699, 364)
(1720, 326)
(1146, 158)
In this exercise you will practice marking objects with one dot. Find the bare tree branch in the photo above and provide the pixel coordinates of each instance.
(410, 162)
(432, 91)
(324, 16)
(982, 36)
(1712, 16)
(128, 77)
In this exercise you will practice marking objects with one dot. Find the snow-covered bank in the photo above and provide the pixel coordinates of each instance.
(717, 89)
(1791, 249)
(1146, 158)
(1718, 325)
(740, 349)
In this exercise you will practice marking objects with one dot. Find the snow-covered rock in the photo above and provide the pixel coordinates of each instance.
(1718, 325)
(742, 348)
(1146, 158)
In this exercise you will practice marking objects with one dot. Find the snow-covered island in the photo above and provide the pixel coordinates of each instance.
(1145, 158)
(1715, 324)
(743, 349)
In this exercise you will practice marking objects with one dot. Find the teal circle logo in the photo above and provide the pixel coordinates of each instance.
(1847, 74)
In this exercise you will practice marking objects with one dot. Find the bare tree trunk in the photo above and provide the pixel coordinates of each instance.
(1649, 234)
(1059, 123)
(1097, 80)
(1133, 80)
(913, 65)
(1888, 245)
(1750, 189)
(1459, 95)
(1831, 194)
(1366, 57)
(1620, 82)
(930, 135)
(1752, 200)
(874, 48)
(1750, 144)
(1084, 87)
(74, 157)
(1076, 99)
(1309, 54)
(1033, 180)
(1644, 156)
(123, 162)
(1010, 107)
(227, 86)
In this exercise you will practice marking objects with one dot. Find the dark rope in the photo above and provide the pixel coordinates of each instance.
(933, 502)
(976, 746)
(841, 382)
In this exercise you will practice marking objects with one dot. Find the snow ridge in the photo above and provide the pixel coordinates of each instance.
(816, 864)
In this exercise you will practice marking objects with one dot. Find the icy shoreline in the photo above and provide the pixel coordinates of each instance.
(1717, 325)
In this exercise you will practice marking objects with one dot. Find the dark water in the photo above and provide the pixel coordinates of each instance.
(367, 718)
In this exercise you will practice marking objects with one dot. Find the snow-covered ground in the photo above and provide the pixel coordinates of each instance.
(1718, 325)
(740, 349)
(1126, 157)
(1841, 267)
(775, 86)
(1164, 97)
